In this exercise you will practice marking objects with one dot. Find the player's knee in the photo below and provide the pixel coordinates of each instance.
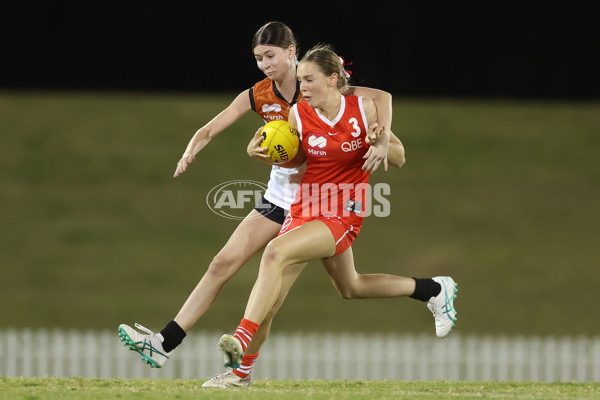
(348, 293)
(274, 256)
(349, 290)
(223, 266)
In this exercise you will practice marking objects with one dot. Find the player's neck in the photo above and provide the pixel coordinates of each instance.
(331, 107)
(287, 86)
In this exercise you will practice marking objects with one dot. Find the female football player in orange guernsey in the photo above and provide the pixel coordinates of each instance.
(314, 230)
(274, 48)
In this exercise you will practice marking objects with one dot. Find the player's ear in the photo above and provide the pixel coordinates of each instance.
(333, 78)
(291, 51)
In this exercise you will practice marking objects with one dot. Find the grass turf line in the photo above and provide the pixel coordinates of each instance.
(83, 388)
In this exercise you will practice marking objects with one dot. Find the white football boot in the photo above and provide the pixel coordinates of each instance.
(442, 306)
(232, 351)
(148, 345)
(226, 380)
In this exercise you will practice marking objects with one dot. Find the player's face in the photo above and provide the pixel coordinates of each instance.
(271, 60)
(315, 86)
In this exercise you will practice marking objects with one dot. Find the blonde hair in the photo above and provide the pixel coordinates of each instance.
(328, 62)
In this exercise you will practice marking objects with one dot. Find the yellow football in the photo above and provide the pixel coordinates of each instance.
(281, 139)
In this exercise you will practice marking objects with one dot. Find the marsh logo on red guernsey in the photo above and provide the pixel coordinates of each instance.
(317, 142)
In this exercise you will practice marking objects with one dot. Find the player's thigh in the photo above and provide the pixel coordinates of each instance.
(251, 235)
(341, 268)
(309, 241)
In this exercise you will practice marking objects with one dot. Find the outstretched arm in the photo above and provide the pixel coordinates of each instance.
(238, 107)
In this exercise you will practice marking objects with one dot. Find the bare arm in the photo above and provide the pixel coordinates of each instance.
(382, 100)
(383, 104)
(238, 107)
(395, 152)
(378, 150)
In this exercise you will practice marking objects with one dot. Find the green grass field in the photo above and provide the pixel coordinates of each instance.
(75, 388)
(94, 231)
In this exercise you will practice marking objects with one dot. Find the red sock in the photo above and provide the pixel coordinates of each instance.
(245, 332)
(247, 363)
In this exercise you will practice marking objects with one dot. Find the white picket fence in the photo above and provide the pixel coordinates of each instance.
(337, 356)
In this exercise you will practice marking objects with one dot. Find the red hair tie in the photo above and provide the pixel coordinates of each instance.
(348, 73)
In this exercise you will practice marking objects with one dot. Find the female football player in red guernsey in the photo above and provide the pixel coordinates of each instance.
(327, 121)
(274, 48)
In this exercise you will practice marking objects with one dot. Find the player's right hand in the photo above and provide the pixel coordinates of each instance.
(254, 149)
(182, 165)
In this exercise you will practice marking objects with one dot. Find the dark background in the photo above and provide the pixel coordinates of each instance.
(445, 48)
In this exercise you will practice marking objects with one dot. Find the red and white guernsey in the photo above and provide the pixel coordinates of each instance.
(334, 186)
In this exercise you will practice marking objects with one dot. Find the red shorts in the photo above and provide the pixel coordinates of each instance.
(343, 231)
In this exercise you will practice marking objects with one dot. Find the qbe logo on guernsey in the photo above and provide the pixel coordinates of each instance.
(235, 199)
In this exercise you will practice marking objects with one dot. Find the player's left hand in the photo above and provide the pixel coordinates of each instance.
(378, 150)
(373, 135)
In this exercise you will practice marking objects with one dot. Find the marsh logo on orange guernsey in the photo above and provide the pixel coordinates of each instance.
(267, 108)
